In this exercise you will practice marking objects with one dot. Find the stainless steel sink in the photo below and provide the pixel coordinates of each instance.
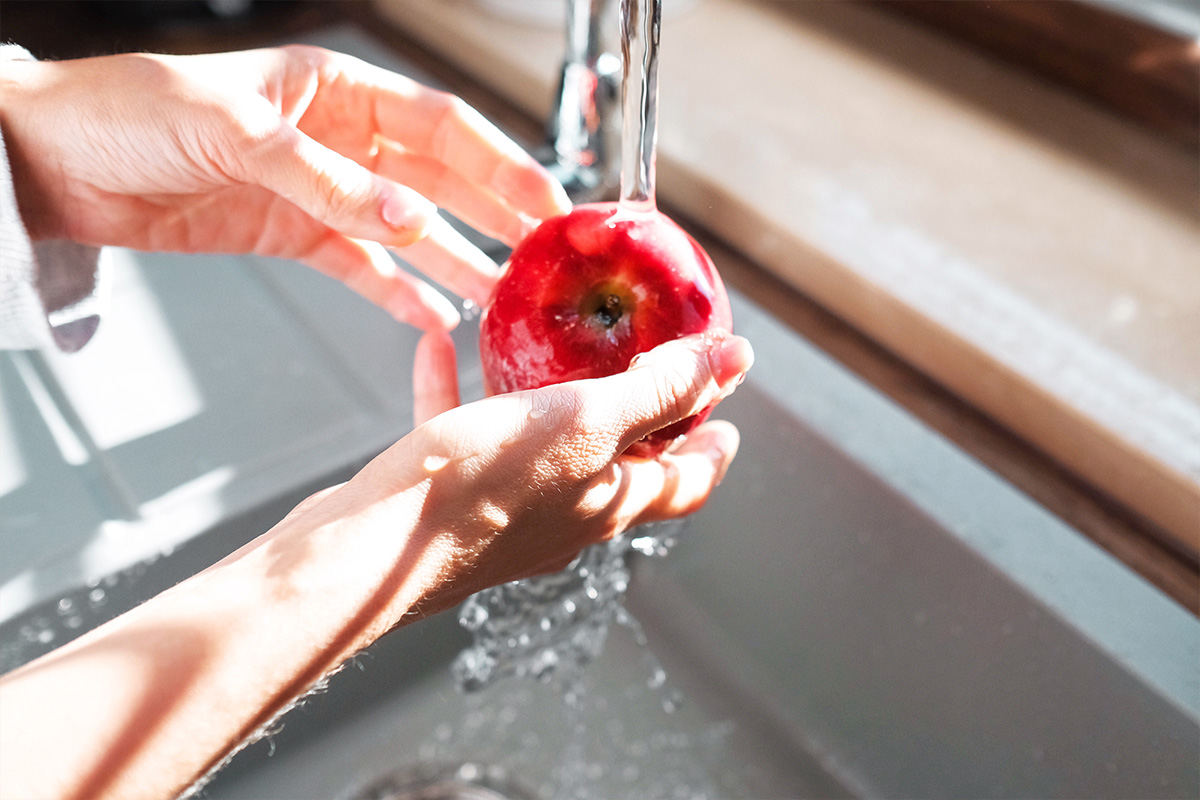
(861, 610)
(832, 629)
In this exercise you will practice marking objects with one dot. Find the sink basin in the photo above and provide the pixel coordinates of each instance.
(828, 631)
(860, 611)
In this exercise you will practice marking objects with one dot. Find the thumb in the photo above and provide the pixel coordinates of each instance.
(678, 379)
(338, 191)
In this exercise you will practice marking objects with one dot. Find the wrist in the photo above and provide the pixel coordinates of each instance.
(340, 571)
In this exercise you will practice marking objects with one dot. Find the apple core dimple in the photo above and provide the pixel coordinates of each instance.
(609, 311)
(605, 310)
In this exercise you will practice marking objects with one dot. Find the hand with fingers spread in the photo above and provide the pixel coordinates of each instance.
(294, 152)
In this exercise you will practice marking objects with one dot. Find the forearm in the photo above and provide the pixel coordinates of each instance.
(157, 696)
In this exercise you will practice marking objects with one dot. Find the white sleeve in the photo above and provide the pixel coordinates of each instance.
(49, 291)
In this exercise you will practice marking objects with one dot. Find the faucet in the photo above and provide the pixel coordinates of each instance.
(582, 146)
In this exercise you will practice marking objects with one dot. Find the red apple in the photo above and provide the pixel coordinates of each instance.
(586, 292)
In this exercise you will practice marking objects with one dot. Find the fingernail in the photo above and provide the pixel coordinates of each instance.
(407, 211)
(730, 358)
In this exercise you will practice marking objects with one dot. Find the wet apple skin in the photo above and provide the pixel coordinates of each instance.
(550, 318)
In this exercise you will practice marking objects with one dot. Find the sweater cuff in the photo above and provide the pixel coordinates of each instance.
(49, 291)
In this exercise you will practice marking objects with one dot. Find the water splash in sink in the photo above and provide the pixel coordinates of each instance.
(55, 622)
(550, 627)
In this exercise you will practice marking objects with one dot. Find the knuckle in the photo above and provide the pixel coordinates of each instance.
(153, 72)
(454, 109)
(676, 389)
(338, 196)
(309, 54)
(452, 114)
(309, 60)
(245, 135)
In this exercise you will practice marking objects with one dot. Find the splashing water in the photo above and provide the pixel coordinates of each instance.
(56, 622)
(550, 627)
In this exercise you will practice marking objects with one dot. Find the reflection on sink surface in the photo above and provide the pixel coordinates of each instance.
(860, 611)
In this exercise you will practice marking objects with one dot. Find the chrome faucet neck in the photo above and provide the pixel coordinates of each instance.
(582, 138)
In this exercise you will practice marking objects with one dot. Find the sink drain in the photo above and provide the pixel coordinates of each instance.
(463, 782)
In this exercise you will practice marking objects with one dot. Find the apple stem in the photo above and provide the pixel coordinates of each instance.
(640, 23)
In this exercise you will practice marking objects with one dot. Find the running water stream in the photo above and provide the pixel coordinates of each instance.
(641, 21)
(550, 627)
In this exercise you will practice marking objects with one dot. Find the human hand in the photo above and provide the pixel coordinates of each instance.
(293, 152)
(478, 495)
(518, 484)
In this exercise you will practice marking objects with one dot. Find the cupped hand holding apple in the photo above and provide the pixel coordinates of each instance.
(547, 470)
(588, 291)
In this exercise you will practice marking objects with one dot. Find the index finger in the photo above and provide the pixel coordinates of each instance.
(444, 127)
